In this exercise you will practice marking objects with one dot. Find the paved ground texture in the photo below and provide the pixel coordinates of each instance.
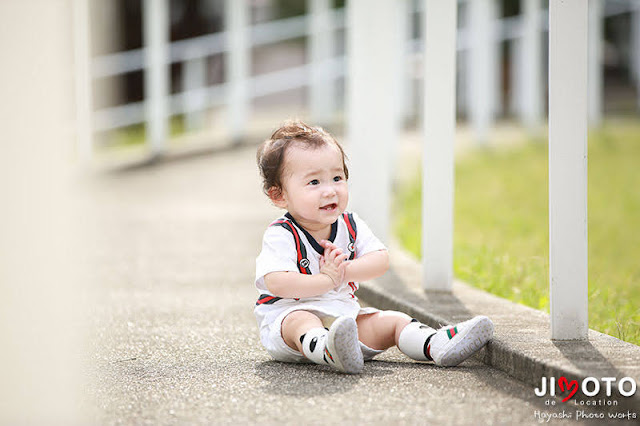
(174, 339)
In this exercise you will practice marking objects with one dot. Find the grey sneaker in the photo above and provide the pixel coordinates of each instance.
(454, 343)
(342, 349)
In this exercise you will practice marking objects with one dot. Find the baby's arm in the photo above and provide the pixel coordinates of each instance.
(296, 285)
(367, 267)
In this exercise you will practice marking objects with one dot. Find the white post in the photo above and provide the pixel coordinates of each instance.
(530, 73)
(595, 70)
(495, 55)
(156, 79)
(635, 48)
(402, 84)
(405, 86)
(83, 81)
(194, 75)
(41, 325)
(322, 90)
(483, 66)
(372, 106)
(568, 169)
(237, 66)
(517, 84)
(439, 131)
(463, 59)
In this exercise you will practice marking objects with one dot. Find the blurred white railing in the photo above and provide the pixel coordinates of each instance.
(198, 97)
(201, 47)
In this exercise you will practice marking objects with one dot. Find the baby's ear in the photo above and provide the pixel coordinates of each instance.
(275, 194)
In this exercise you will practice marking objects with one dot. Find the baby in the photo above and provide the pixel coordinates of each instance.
(313, 258)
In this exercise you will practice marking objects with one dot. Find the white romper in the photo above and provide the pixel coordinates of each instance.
(295, 250)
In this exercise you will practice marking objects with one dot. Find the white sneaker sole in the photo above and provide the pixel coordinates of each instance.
(344, 347)
(474, 335)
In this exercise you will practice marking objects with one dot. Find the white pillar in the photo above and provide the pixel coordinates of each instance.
(516, 87)
(322, 88)
(83, 81)
(568, 169)
(402, 84)
(463, 62)
(40, 301)
(439, 131)
(194, 81)
(530, 71)
(635, 48)
(595, 66)
(156, 78)
(496, 56)
(372, 105)
(238, 66)
(405, 82)
(483, 66)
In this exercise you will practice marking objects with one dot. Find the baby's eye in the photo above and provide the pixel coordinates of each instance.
(314, 182)
(337, 178)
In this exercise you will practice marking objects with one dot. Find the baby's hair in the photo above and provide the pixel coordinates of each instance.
(272, 152)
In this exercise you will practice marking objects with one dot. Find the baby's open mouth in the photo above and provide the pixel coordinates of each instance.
(329, 207)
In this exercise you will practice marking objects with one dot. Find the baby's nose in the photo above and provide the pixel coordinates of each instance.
(329, 190)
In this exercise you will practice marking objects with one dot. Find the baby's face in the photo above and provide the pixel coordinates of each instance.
(315, 189)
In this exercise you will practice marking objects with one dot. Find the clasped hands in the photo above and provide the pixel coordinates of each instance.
(333, 263)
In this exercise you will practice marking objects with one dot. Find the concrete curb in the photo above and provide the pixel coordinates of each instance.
(521, 346)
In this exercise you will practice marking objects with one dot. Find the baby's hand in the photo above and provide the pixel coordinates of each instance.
(328, 245)
(333, 263)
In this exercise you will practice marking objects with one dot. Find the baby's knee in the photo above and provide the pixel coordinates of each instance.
(299, 316)
(397, 315)
(384, 321)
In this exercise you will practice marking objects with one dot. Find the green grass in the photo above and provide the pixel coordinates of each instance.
(136, 134)
(501, 241)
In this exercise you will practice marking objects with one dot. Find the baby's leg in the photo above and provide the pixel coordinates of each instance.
(381, 330)
(296, 324)
(447, 346)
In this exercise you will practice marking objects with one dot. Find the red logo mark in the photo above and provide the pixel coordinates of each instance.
(572, 387)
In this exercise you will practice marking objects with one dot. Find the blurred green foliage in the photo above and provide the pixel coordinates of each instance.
(289, 8)
(136, 134)
(501, 239)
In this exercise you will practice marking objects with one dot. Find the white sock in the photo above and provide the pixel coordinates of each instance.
(313, 344)
(414, 340)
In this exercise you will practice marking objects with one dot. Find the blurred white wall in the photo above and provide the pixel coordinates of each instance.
(40, 356)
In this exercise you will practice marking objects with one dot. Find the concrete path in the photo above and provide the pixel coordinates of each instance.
(174, 340)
